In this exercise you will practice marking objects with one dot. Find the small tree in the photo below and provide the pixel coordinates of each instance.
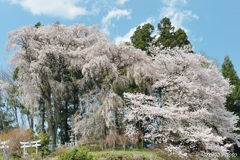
(166, 33)
(142, 37)
(181, 38)
(233, 99)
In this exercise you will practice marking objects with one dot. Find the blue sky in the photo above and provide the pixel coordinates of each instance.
(213, 26)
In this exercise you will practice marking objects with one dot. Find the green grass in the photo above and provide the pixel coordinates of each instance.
(143, 154)
(127, 155)
(134, 155)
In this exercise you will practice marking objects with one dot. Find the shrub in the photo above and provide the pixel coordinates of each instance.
(82, 155)
(91, 147)
(75, 154)
(15, 155)
(45, 138)
(61, 149)
(16, 136)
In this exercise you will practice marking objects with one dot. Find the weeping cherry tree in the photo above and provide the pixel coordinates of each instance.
(43, 56)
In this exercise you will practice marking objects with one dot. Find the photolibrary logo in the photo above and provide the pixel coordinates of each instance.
(216, 155)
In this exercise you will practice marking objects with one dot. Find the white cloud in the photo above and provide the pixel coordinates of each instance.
(113, 14)
(174, 2)
(126, 37)
(176, 15)
(122, 1)
(69, 9)
(63, 8)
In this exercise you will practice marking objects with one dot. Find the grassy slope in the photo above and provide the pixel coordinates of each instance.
(137, 155)
(151, 154)
(124, 155)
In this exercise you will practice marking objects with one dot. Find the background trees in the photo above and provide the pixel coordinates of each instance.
(181, 38)
(228, 71)
(166, 33)
(143, 37)
(10, 102)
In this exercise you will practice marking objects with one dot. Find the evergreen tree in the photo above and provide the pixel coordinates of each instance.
(181, 38)
(16, 102)
(142, 36)
(6, 118)
(228, 72)
(166, 31)
(38, 24)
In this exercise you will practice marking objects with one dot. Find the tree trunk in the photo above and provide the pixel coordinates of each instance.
(52, 114)
(16, 115)
(42, 114)
(2, 120)
(43, 118)
(76, 104)
(55, 120)
(66, 136)
(30, 120)
(51, 127)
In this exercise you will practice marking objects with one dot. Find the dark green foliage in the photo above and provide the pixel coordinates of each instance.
(102, 79)
(15, 74)
(119, 87)
(68, 155)
(45, 139)
(166, 33)
(181, 38)
(15, 155)
(168, 37)
(6, 118)
(69, 104)
(165, 26)
(132, 87)
(65, 113)
(75, 154)
(142, 36)
(38, 24)
(229, 72)
(233, 100)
